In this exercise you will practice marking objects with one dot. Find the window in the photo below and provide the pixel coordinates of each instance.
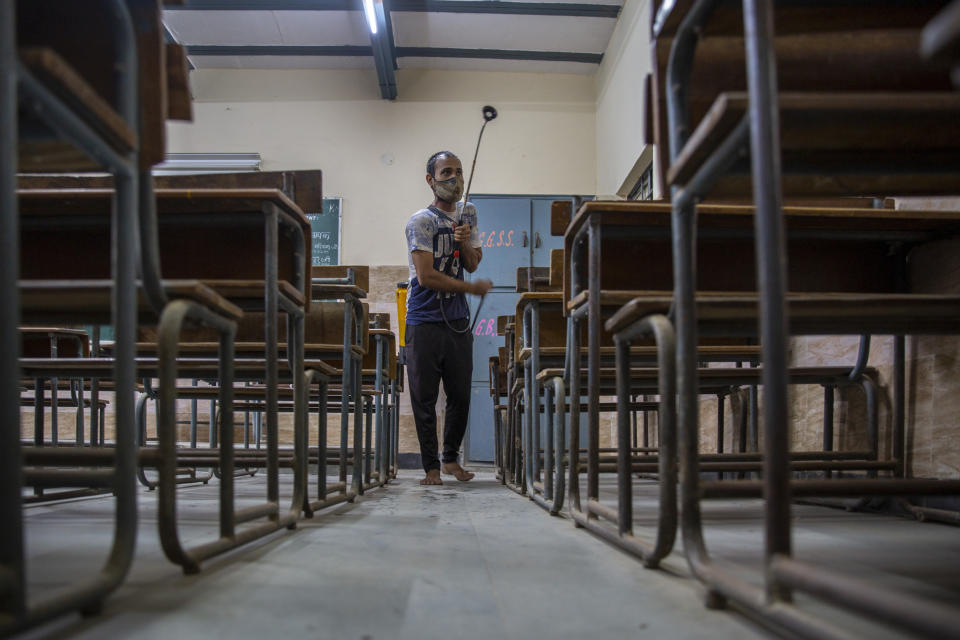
(643, 189)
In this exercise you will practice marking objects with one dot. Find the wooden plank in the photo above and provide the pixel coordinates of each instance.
(556, 269)
(62, 402)
(151, 80)
(502, 322)
(541, 278)
(204, 234)
(252, 291)
(91, 298)
(35, 342)
(721, 375)
(714, 353)
(179, 99)
(864, 128)
(370, 359)
(58, 76)
(561, 212)
(802, 16)
(336, 291)
(303, 187)
(361, 273)
(552, 325)
(863, 60)
(821, 244)
(815, 313)
(323, 328)
(68, 28)
(380, 321)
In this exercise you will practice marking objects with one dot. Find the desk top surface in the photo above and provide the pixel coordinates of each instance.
(98, 201)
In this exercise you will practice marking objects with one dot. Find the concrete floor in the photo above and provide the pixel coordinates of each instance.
(470, 560)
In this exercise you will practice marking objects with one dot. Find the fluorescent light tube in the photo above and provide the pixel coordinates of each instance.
(371, 15)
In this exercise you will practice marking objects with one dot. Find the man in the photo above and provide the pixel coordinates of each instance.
(442, 241)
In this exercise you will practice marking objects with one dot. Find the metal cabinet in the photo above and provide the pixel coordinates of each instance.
(515, 231)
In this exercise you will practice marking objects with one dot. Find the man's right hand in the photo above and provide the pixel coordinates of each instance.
(480, 287)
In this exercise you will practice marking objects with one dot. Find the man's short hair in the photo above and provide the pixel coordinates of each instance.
(432, 162)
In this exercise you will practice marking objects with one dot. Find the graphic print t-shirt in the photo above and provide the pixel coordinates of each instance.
(431, 230)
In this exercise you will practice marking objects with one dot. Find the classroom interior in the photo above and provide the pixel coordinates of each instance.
(715, 382)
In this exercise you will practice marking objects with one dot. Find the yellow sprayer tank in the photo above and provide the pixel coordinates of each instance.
(402, 310)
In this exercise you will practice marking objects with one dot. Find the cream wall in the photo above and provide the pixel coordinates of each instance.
(620, 107)
(372, 152)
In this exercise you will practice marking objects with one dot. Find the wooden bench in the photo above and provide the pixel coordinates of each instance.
(861, 125)
(841, 127)
(821, 244)
(216, 235)
(105, 109)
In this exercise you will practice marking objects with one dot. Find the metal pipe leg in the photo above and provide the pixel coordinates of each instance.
(345, 396)
(899, 405)
(771, 278)
(559, 426)
(39, 390)
(873, 426)
(95, 423)
(227, 528)
(828, 394)
(721, 417)
(141, 411)
(54, 398)
(368, 440)
(271, 295)
(357, 427)
(193, 419)
(381, 435)
(322, 443)
(212, 424)
(533, 396)
(573, 484)
(548, 442)
(12, 571)
(624, 477)
(80, 431)
(594, 328)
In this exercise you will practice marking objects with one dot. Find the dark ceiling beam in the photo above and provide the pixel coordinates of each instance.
(432, 6)
(383, 54)
(401, 52)
(509, 8)
(387, 8)
(268, 5)
(499, 54)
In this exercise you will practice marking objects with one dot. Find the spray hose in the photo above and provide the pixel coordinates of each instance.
(489, 113)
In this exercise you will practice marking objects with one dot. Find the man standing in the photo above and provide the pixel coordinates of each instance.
(442, 241)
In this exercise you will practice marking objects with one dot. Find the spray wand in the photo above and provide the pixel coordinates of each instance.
(489, 113)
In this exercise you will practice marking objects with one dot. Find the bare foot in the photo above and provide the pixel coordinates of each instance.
(454, 469)
(433, 477)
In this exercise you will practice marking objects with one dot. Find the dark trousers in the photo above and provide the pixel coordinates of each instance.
(435, 353)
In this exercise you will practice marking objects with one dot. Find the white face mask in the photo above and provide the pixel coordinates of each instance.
(450, 190)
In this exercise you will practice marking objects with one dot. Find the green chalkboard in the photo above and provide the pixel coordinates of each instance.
(325, 236)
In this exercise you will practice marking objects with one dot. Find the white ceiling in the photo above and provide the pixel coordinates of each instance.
(326, 28)
(446, 30)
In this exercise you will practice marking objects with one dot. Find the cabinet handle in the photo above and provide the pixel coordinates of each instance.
(536, 240)
(524, 242)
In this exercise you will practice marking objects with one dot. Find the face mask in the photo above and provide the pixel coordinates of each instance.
(449, 190)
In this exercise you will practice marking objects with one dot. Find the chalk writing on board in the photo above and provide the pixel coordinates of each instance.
(325, 236)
